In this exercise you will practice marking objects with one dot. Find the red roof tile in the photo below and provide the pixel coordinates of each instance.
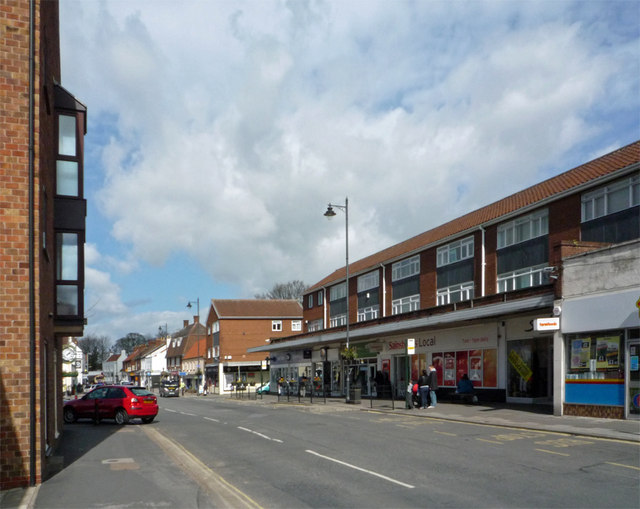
(256, 308)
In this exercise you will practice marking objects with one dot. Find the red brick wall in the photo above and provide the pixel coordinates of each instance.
(14, 237)
(236, 336)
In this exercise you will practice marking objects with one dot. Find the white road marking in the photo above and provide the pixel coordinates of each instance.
(261, 435)
(553, 452)
(170, 410)
(185, 413)
(370, 472)
(622, 465)
(211, 419)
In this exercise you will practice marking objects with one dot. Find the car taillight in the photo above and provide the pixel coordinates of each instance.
(134, 400)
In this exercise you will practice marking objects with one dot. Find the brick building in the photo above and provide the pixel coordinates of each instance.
(470, 292)
(42, 232)
(233, 326)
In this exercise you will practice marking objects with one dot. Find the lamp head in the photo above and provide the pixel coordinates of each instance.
(189, 305)
(330, 212)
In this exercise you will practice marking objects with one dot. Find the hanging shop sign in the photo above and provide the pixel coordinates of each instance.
(411, 346)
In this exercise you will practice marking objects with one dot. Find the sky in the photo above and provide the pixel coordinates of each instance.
(218, 131)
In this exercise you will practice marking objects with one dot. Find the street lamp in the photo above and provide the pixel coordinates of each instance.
(329, 214)
(189, 305)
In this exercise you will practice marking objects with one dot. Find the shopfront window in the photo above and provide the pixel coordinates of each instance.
(481, 365)
(595, 356)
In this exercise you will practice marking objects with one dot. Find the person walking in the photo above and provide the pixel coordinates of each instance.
(423, 387)
(433, 386)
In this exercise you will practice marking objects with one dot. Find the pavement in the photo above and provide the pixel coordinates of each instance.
(528, 417)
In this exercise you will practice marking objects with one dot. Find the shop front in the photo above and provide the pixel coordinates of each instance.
(602, 344)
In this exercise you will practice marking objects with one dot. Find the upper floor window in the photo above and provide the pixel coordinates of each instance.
(368, 281)
(368, 313)
(338, 320)
(314, 325)
(405, 304)
(67, 135)
(338, 292)
(296, 325)
(67, 270)
(320, 298)
(455, 293)
(523, 228)
(215, 327)
(454, 252)
(276, 325)
(611, 198)
(310, 301)
(405, 268)
(523, 278)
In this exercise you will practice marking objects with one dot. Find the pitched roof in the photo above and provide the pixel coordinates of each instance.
(113, 357)
(196, 348)
(256, 308)
(555, 186)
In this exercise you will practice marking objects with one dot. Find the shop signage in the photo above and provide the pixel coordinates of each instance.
(519, 365)
(545, 324)
(411, 346)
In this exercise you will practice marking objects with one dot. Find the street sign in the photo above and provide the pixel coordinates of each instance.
(411, 346)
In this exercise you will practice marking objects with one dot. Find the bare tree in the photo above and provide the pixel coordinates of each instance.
(96, 348)
(291, 290)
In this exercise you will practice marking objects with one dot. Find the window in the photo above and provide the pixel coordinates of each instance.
(320, 298)
(523, 229)
(310, 301)
(368, 313)
(67, 135)
(296, 325)
(67, 269)
(338, 292)
(67, 178)
(454, 252)
(405, 304)
(338, 320)
(611, 198)
(276, 325)
(455, 293)
(405, 268)
(522, 278)
(368, 281)
(216, 326)
(314, 325)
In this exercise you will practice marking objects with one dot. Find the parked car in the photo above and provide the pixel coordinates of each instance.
(263, 389)
(169, 388)
(118, 402)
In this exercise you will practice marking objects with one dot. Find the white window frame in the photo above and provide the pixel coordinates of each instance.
(315, 325)
(536, 276)
(276, 325)
(455, 252)
(523, 228)
(338, 292)
(310, 300)
(405, 304)
(368, 313)
(338, 320)
(405, 268)
(215, 327)
(368, 281)
(296, 325)
(598, 203)
(466, 291)
(320, 298)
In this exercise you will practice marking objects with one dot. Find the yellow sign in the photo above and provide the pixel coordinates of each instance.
(411, 346)
(519, 365)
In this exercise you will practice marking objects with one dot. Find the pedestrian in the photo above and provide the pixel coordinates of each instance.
(409, 395)
(182, 386)
(433, 386)
(423, 385)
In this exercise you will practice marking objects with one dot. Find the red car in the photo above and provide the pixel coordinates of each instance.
(119, 402)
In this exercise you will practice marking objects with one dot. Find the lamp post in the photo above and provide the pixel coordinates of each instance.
(329, 214)
(189, 305)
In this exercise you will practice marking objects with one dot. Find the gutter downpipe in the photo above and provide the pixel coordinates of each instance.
(483, 262)
(32, 321)
(384, 291)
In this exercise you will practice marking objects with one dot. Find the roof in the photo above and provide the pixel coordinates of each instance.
(597, 169)
(196, 349)
(113, 357)
(256, 308)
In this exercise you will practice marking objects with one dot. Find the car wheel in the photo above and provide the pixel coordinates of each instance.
(69, 415)
(148, 420)
(122, 417)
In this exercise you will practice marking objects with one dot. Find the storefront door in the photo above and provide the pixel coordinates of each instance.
(529, 370)
(633, 379)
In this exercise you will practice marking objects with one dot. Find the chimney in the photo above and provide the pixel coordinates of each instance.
(196, 319)
(185, 323)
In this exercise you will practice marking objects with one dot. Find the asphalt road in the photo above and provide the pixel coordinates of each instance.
(292, 456)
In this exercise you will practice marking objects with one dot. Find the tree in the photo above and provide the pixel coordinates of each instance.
(291, 290)
(129, 342)
(96, 348)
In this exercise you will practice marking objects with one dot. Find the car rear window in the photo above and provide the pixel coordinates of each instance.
(140, 391)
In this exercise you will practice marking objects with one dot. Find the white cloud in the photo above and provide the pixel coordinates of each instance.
(235, 123)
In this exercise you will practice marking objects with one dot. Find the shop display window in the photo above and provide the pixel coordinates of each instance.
(595, 356)
(480, 365)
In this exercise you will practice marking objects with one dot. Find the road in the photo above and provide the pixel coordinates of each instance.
(292, 456)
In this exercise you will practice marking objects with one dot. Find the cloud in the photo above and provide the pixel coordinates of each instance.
(228, 127)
